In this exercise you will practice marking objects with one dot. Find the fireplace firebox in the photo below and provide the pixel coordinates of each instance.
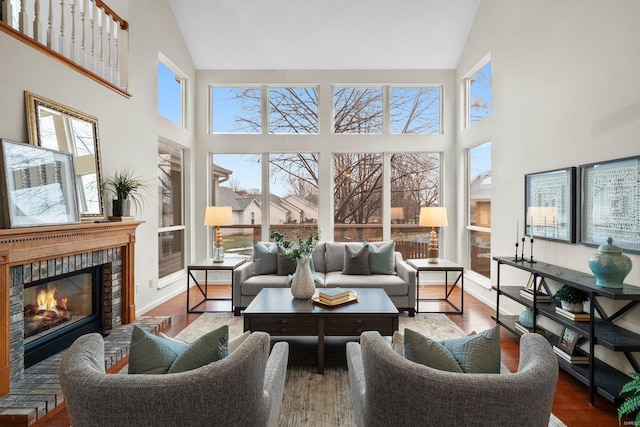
(58, 310)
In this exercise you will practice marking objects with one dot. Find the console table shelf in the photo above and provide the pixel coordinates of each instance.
(597, 375)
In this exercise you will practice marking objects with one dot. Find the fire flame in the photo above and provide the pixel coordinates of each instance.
(46, 300)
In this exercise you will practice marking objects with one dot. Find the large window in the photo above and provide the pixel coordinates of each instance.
(293, 110)
(171, 227)
(479, 208)
(478, 94)
(415, 110)
(357, 109)
(171, 92)
(236, 110)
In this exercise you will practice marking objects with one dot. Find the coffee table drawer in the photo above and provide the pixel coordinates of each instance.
(351, 326)
(283, 325)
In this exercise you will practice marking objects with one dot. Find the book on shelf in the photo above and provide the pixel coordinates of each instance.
(521, 328)
(575, 359)
(540, 297)
(576, 317)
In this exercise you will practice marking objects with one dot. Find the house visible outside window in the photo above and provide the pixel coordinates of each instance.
(171, 92)
(478, 94)
(479, 208)
(171, 226)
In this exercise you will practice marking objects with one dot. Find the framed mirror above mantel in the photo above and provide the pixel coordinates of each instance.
(56, 126)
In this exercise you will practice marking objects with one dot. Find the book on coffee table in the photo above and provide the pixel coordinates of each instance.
(340, 297)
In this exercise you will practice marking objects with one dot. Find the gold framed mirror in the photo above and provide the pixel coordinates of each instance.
(56, 126)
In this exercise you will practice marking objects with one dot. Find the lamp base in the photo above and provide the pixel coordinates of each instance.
(433, 261)
(218, 254)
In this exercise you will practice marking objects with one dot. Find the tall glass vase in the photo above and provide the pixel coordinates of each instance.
(302, 285)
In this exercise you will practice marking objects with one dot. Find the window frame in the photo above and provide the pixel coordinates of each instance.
(182, 79)
(171, 278)
(468, 227)
(467, 90)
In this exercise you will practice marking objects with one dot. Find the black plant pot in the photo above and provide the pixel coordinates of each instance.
(121, 207)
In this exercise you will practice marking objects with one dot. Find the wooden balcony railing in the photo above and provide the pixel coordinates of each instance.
(85, 35)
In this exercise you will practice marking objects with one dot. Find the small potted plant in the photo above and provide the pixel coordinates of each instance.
(126, 188)
(631, 393)
(571, 299)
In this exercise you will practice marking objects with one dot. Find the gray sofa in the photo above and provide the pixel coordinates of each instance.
(245, 388)
(387, 389)
(328, 260)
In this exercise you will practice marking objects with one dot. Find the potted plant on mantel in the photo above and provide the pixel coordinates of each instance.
(126, 188)
(571, 299)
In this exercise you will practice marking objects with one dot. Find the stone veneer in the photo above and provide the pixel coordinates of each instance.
(23, 274)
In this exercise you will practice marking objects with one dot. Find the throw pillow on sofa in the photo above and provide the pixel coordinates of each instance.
(382, 258)
(264, 259)
(479, 353)
(285, 266)
(151, 354)
(356, 261)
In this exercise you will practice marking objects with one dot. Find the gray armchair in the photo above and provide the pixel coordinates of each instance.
(245, 388)
(387, 389)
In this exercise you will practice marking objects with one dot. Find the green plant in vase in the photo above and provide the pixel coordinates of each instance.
(571, 299)
(631, 403)
(126, 188)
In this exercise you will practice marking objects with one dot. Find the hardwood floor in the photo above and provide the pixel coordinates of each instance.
(571, 403)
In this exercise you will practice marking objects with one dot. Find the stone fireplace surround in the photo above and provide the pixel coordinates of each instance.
(27, 254)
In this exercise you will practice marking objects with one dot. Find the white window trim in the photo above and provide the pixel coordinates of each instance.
(467, 86)
(476, 277)
(182, 77)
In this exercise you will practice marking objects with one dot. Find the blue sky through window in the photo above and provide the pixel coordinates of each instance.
(169, 94)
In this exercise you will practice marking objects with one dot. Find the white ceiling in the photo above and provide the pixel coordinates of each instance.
(325, 34)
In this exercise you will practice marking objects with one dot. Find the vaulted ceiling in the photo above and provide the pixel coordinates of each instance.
(325, 34)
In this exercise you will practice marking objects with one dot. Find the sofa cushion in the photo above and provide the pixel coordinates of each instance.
(317, 256)
(255, 284)
(334, 256)
(356, 261)
(285, 266)
(264, 258)
(392, 284)
(478, 353)
(209, 348)
(382, 258)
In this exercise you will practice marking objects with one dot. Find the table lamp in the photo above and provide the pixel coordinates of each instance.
(433, 217)
(217, 216)
(397, 214)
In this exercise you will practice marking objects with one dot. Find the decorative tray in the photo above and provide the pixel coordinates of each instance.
(352, 297)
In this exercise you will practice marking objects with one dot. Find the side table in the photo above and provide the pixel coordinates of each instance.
(206, 265)
(423, 264)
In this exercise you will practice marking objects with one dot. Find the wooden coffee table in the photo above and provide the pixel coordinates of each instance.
(275, 311)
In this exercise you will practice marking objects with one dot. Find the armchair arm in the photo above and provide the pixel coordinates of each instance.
(240, 274)
(274, 379)
(357, 383)
(408, 274)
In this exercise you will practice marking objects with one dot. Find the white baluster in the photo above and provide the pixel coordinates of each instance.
(51, 32)
(72, 44)
(62, 42)
(92, 24)
(100, 67)
(83, 31)
(37, 23)
(7, 12)
(108, 72)
(24, 18)
(116, 66)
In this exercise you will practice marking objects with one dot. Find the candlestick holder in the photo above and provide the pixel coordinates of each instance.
(531, 261)
(516, 258)
(522, 257)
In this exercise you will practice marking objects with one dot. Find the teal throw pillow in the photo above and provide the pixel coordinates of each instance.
(382, 259)
(264, 258)
(356, 262)
(475, 354)
(150, 354)
(209, 348)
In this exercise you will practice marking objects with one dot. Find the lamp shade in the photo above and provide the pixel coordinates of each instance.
(218, 215)
(433, 216)
(397, 213)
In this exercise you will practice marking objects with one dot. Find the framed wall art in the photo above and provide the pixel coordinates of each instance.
(37, 186)
(610, 203)
(550, 205)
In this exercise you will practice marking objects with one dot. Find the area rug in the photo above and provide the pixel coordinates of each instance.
(323, 400)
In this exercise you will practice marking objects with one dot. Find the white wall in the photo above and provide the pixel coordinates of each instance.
(129, 128)
(565, 92)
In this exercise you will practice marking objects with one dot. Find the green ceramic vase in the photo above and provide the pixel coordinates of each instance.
(609, 265)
